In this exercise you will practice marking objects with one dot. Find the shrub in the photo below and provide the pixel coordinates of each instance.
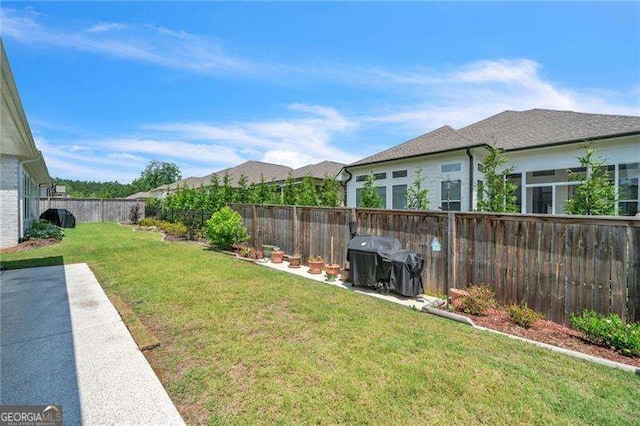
(225, 229)
(523, 316)
(149, 221)
(134, 214)
(42, 229)
(609, 331)
(479, 299)
(176, 229)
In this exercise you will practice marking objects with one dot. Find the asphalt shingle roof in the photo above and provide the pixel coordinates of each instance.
(319, 170)
(445, 138)
(536, 127)
(511, 130)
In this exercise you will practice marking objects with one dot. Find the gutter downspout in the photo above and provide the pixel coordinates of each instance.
(345, 185)
(470, 178)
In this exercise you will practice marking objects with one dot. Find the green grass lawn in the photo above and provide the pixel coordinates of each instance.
(242, 343)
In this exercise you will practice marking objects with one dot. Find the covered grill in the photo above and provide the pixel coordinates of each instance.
(60, 217)
(380, 262)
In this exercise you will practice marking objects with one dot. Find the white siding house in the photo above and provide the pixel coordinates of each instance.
(23, 172)
(540, 145)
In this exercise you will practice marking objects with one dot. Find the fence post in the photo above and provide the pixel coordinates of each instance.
(295, 231)
(452, 256)
(101, 210)
(255, 226)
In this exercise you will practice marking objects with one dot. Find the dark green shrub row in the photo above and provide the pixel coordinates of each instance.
(41, 229)
(610, 331)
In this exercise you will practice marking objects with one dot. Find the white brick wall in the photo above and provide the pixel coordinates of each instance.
(9, 201)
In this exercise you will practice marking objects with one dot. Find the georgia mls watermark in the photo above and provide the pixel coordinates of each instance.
(30, 415)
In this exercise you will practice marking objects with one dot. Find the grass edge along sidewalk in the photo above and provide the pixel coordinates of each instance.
(240, 343)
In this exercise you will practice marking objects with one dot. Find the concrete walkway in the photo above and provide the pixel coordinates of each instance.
(417, 302)
(63, 342)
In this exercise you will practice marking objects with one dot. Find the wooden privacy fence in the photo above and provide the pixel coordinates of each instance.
(88, 210)
(557, 265)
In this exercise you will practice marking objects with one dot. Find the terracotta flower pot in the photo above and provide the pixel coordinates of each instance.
(344, 275)
(332, 271)
(294, 261)
(315, 266)
(277, 256)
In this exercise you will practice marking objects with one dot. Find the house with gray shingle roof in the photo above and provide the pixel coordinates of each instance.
(255, 171)
(541, 146)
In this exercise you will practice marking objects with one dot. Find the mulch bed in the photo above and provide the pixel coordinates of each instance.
(548, 332)
(30, 245)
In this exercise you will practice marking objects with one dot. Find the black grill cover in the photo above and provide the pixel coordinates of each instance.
(405, 278)
(60, 217)
(375, 260)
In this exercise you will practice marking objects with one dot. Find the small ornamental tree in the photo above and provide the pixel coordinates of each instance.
(370, 197)
(497, 194)
(330, 192)
(417, 196)
(225, 229)
(596, 194)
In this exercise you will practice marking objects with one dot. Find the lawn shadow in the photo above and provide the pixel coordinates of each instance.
(6, 265)
(38, 363)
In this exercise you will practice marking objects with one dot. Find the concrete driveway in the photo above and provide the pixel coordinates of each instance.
(63, 342)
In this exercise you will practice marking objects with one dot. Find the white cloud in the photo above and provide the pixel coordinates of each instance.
(106, 26)
(293, 142)
(146, 43)
(483, 88)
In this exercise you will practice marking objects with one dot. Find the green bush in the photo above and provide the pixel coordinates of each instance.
(176, 229)
(149, 221)
(225, 229)
(41, 229)
(479, 299)
(609, 331)
(523, 316)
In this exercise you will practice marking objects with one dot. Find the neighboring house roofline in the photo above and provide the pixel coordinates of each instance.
(426, 154)
(573, 141)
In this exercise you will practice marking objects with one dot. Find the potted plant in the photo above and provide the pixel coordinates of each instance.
(332, 271)
(267, 249)
(277, 255)
(315, 264)
(294, 261)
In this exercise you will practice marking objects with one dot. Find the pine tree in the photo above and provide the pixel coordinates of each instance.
(595, 195)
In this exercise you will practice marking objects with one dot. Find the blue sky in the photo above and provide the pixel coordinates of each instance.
(109, 86)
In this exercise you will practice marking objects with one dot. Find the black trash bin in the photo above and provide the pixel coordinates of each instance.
(60, 217)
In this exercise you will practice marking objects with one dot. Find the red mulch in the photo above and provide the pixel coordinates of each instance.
(30, 244)
(548, 332)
